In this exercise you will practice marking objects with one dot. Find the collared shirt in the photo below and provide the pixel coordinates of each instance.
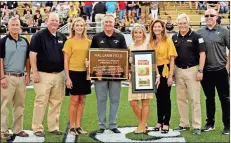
(14, 53)
(116, 41)
(216, 41)
(49, 50)
(188, 48)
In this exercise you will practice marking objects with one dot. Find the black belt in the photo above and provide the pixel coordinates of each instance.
(185, 67)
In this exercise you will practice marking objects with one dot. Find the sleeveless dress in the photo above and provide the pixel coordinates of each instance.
(138, 96)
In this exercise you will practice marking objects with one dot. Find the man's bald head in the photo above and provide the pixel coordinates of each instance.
(211, 17)
(211, 11)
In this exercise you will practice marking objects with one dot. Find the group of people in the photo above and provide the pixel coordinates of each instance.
(189, 58)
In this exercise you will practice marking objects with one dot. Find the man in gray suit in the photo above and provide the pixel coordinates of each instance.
(108, 39)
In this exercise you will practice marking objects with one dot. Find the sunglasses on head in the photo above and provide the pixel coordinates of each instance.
(210, 15)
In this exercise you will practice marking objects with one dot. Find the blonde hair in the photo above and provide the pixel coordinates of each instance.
(139, 26)
(164, 34)
(182, 16)
(72, 31)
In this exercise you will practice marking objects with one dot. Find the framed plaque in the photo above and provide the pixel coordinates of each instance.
(143, 71)
(108, 63)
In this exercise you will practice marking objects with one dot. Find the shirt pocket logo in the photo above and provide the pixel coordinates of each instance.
(60, 41)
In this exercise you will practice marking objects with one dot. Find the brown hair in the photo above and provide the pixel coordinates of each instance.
(163, 33)
(72, 32)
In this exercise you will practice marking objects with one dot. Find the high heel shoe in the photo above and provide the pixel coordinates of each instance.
(164, 131)
(140, 130)
(156, 129)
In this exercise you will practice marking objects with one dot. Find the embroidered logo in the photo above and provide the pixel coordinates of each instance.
(59, 41)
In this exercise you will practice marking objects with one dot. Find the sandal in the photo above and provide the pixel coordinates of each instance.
(22, 134)
(80, 131)
(156, 129)
(72, 131)
(140, 130)
(165, 131)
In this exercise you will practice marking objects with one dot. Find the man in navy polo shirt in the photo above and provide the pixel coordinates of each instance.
(47, 63)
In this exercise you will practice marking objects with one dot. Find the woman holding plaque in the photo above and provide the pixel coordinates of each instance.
(165, 55)
(142, 113)
(75, 52)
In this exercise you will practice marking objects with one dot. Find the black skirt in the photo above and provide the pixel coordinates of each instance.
(80, 86)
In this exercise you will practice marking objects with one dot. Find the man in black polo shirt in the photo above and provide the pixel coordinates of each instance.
(190, 48)
(14, 56)
(47, 63)
(216, 70)
(108, 39)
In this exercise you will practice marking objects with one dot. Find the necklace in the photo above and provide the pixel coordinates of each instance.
(157, 43)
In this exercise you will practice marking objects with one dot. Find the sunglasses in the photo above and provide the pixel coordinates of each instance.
(210, 15)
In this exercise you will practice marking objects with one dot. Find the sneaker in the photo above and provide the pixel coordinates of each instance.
(197, 131)
(226, 131)
(115, 130)
(179, 128)
(208, 128)
(100, 131)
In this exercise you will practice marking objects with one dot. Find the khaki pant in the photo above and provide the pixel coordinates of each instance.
(99, 19)
(14, 94)
(146, 11)
(186, 84)
(49, 90)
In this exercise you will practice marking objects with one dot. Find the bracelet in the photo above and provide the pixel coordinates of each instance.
(3, 78)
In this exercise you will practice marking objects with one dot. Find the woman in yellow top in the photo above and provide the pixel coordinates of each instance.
(142, 113)
(165, 52)
(75, 52)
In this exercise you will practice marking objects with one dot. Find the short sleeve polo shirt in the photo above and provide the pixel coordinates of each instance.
(49, 50)
(14, 53)
(116, 41)
(216, 42)
(188, 48)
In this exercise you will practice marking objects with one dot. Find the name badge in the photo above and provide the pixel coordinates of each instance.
(189, 40)
(59, 41)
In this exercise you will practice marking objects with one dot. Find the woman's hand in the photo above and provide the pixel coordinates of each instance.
(170, 81)
(157, 80)
(130, 60)
(69, 83)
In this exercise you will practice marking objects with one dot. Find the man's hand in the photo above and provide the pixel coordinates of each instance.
(199, 76)
(227, 68)
(4, 83)
(35, 77)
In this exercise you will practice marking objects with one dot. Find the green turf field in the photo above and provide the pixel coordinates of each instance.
(125, 118)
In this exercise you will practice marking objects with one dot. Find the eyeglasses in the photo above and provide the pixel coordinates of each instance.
(210, 15)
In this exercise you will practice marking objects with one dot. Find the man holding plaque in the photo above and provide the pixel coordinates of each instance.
(108, 39)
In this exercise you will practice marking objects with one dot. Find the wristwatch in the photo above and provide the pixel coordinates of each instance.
(200, 70)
